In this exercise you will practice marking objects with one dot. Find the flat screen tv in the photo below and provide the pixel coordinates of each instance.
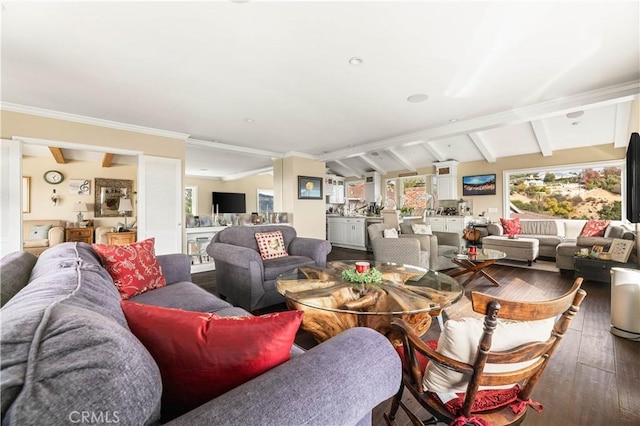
(633, 179)
(229, 202)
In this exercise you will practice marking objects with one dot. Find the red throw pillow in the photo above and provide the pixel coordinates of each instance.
(271, 245)
(511, 226)
(133, 267)
(594, 228)
(202, 356)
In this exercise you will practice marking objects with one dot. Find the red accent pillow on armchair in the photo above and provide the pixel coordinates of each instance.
(133, 267)
(594, 228)
(203, 355)
(511, 226)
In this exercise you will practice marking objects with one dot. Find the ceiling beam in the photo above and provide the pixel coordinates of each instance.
(621, 131)
(480, 143)
(433, 151)
(542, 137)
(351, 170)
(107, 159)
(369, 162)
(403, 162)
(57, 155)
(589, 100)
(242, 175)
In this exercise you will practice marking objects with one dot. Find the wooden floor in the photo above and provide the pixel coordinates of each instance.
(593, 379)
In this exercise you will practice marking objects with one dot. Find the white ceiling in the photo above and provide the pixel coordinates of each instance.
(509, 72)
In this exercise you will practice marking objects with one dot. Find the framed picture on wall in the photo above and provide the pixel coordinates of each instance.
(309, 188)
(479, 185)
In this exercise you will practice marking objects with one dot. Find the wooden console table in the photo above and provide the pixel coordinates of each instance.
(121, 238)
(598, 270)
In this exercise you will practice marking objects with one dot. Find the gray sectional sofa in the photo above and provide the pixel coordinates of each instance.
(67, 354)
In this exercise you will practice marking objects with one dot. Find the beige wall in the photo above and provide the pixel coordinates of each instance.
(41, 206)
(308, 215)
(249, 186)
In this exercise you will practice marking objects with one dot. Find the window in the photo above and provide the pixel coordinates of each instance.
(265, 202)
(191, 200)
(410, 192)
(591, 191)
(355, 190)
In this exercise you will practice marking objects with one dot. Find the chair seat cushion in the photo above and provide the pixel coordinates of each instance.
(442, 249)
(36, 243)
(280, 265)
(485, 400)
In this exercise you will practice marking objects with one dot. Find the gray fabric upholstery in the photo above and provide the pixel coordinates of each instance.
(183, 295)
(66, 347)
(243, 278)
(16, 270)
(326, 390)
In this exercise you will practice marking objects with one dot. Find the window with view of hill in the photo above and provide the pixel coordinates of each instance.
(568, 192)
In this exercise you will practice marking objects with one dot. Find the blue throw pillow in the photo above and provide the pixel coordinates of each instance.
(39, 232)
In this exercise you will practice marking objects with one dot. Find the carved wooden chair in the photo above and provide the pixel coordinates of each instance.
(524, 339)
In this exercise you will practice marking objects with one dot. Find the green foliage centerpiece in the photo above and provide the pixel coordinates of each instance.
(371, 276)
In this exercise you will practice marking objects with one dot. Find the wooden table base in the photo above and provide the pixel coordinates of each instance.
(476, 268)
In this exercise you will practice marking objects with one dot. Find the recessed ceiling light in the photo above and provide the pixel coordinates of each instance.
(249, 120)
(418, 97)
(375, 153)
(575, 123)
(203, 170)
(453, 120)
(355, 61)
(575, 114)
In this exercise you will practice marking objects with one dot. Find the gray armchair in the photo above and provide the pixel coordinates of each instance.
(244, 279)
(442, 242)
(407, 249)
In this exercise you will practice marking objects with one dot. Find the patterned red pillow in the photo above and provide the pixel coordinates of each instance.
(511, 226)
(202, 355)
(594, 228)
(133, 267)
(271, 245)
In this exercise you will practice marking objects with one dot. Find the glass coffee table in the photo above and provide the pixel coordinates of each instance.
(333, 304)
(475, 263)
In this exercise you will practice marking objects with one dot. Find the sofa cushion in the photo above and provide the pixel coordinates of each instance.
(245, 235)
(64, 337)
(459, 341)
(35, 243)
(270, 245)
(594, 228)
(539, 227)
(183, 295)
(202, 356)
(421, 228)
(133, 267)
(280, 265)
(390, 233)
(39, 232)
(511, 226)
(15, 270)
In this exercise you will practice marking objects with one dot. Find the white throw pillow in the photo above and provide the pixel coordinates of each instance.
(421, 228)
(459, 341)
(390, 233)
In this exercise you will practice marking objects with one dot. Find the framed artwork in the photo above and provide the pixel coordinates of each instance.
(26, 194)
(79, 187)
(205, 221)
(596, 250)
(309, 188)
(479, 185)
(620, 249)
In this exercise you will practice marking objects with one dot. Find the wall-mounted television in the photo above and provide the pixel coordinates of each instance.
(633, 179)
(229, 202)
(479, 185)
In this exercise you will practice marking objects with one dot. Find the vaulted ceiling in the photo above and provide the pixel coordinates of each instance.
(253, 81)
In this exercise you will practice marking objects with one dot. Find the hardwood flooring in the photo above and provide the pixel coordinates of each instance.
(592, 380)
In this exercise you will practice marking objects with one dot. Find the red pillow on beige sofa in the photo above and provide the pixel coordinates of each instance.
(511, 226)
(594, 228)
(133, 267)
(202, 355)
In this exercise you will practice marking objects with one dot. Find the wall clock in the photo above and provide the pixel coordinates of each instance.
(53, 177)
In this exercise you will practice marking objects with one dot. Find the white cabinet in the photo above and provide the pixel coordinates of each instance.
(447, 180)
(197, 241)
(449, 223)
(334, 188)
(372, 187)
(347, 232)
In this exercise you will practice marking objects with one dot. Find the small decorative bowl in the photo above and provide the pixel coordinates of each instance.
(604, 256)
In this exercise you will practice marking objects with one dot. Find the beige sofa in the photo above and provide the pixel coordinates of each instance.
(35, 243)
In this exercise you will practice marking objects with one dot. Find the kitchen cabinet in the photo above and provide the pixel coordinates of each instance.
(347, 232)
(447, 180)
(372, 187)
(197, 241)
(334, 188)
(449, 223)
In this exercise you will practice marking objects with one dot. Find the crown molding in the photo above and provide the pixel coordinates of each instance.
(219, 146)
(41, 112)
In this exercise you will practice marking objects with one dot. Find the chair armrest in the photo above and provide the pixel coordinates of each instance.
(234, 255)
(337, 382)
(448, 238)
(176, 267)
(495, 229)
(56, 235)
(397, 250)
(314, 248)
(424, 239)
